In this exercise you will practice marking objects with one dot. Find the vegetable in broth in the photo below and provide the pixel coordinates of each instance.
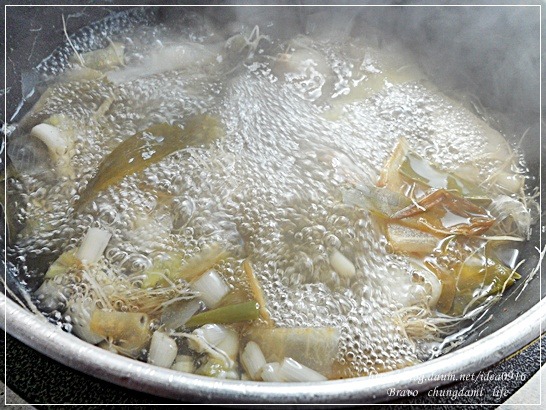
(239, 204)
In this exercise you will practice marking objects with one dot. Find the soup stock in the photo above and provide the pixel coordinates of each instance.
(331, 187)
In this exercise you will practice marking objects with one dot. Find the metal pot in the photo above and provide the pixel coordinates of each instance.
(484, 50)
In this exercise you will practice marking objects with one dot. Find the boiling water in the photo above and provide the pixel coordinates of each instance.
(269, 189)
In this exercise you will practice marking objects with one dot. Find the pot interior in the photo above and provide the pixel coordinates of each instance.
(484, 53)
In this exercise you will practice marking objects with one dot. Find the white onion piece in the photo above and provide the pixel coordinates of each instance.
(292, 371)
(211, 288)
(53, 138)
(184, 364)
(93, 245)
(253, 360)
(341, 264)
(163, 350)
(271, 372)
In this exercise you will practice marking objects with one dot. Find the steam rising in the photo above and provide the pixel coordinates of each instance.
(492, 51)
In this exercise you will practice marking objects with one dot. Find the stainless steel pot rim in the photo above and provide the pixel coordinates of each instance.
(79, 355)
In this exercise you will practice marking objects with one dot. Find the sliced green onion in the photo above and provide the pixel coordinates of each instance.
(163, 350)
(183, 363)
(221, 337)
(211, 288)
(93, 245)
(292, 371)
(341, 264)
(253, 360)
(240, 312)
(271, 372)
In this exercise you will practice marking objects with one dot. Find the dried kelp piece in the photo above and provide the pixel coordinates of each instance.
(146, 148)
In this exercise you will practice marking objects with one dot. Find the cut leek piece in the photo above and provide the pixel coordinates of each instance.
(218, 369)
(56, 135)
(166, 266)
(80, 312)
(183, 56)
(449, 291)
(174, 267)
(129, 332)
(235, 297)
(93, 245)
(89, 252)
(439, 212)
(220, 337)
(163, 350)
(63, 264)
(146, 148)
(341, 264)
(390, 178)
(405, 167)
(253, 360)
(292, 371)
(240, 312)
(183, 363)
(176, 314)
(81, 73)
(315, 348)
(271, 373)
